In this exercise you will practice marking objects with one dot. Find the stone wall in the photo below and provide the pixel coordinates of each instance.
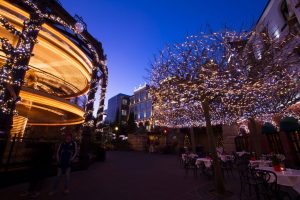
(138, 142)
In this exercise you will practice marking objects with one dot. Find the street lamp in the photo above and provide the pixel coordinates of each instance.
(116, 128)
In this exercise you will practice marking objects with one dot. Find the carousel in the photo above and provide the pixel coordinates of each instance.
(51, 68)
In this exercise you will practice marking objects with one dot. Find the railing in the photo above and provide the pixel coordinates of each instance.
(52, 84)
(65, 90)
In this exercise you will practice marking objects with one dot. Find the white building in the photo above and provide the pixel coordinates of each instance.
(141, 105)
(281, 17)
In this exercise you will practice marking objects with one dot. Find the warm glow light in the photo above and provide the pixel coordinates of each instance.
(54, 41)
(37, 97)
(57, 124)
(50, 52)
(42, 108)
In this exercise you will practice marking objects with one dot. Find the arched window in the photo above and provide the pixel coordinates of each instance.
(273, 138)
(242, 143)
(284, 10)
(291, 127)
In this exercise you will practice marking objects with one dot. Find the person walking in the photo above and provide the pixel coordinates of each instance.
(66, 154)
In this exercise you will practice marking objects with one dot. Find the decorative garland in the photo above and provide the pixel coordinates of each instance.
(15, 55)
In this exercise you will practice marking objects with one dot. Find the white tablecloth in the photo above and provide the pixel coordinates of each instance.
(207, 162)
(192, 155)
(290, 177)
(241, 153)
(260, 163)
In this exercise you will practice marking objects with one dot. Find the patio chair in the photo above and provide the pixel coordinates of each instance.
(227, 167)
(189, 164)
(268, 187)
(248, 181)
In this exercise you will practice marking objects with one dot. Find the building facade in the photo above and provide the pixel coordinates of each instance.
(118, 109)
(281, 17)
(141, 105)
(279, 20)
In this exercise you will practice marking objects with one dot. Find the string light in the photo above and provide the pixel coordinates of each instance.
(237, 76)
(12, 66)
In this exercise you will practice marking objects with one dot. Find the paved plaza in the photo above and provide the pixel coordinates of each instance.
(133, 176)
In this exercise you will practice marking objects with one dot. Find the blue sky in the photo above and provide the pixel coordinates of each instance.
(133, 31)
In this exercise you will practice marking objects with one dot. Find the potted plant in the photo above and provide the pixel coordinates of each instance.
(253, 156)
(276, 161)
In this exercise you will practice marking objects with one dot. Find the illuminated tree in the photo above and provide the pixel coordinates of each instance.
(267, 78)
(189, 82)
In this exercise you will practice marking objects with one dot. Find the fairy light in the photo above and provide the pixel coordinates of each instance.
(185, 75)
(14, 56)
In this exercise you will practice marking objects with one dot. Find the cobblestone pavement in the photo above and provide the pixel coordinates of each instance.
(134, 176)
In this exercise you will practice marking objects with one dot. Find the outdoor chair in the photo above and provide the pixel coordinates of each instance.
(227, 167)
(268, 187)
(208, 171)
(248, 181)
(189, 164)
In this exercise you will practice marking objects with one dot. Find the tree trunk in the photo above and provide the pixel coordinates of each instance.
(193, 139)
(255, 137)
(218, 176)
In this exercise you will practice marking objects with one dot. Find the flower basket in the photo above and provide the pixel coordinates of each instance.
(209, 157)
(277, 159)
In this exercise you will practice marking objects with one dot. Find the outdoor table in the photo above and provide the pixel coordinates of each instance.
(226, 157)
(260, 163)
(241, 153)
(192, 155)
(290, 177)
(207, 162)
(183, 156)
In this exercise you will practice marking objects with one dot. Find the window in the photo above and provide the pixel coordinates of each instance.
(149, 105)
(295, 140)
(275, 143)
(148, 114)
(137, 97)
(284, 10)
(124, 112)
(136, 109)
(124, 101)
(142, 96)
